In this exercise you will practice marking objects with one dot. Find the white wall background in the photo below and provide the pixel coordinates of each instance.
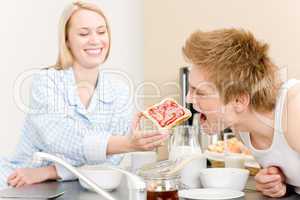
(170, 22)
(28, 38)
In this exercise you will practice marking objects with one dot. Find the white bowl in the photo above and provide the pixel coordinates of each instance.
(227, 178)
(106, 179)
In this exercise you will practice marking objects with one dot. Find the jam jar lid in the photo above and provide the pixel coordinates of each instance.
(158, 170)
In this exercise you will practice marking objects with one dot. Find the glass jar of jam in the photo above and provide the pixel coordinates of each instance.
(160, 186)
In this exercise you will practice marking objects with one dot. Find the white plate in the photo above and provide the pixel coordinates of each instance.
(220, 156)
(249, 159)
(210, 194)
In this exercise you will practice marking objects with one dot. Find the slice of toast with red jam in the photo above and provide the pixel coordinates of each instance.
(167, 114)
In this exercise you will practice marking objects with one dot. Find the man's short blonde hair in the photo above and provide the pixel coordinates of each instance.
(237, 64)
(65, 58)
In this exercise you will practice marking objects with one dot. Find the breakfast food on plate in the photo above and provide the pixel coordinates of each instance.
(167, 114)
(233, 146)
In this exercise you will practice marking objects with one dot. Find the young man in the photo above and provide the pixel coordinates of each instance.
(233, 83)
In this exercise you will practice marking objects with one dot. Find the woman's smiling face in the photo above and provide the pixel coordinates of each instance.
(88, 38)
(214, 115)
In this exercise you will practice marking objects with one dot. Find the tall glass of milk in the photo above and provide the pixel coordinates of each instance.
(184, 143)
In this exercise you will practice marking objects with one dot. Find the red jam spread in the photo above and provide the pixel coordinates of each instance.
(166, 113)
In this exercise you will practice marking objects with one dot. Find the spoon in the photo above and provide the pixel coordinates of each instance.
(181, 163)
(135, 181)
(169, 167)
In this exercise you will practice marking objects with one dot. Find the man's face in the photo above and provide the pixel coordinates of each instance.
(206, 100)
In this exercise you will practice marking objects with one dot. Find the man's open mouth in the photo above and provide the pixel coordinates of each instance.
(203, 118)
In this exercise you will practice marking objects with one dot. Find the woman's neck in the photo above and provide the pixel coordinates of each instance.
(86, 80)
(86, 76)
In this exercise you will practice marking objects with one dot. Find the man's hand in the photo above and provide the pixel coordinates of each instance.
(270, 181)
(28, 176)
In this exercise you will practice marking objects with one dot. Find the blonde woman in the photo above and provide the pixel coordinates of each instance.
(78, 112)
(234, 83)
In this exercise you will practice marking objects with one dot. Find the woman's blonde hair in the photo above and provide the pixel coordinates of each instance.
(237, 64)
(65, 57)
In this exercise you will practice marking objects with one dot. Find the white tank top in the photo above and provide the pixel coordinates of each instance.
(279, 153)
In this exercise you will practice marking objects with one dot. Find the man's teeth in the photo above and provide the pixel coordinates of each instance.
(93, 51)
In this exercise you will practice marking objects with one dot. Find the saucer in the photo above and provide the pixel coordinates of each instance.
(210, 194)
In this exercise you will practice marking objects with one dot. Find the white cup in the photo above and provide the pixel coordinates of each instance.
(234, 161)
(191, 172)
(141, 158)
